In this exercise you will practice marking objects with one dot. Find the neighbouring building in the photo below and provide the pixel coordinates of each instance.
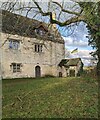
(29, 48)
(70, 67)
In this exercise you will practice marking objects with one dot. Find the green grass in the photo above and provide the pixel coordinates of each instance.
(50, 98)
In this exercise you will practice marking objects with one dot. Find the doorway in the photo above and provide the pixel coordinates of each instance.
(72, 73)
(37, 71)
(60, 74)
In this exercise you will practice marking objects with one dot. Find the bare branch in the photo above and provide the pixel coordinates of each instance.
(53, 21)
(67, 11)
(41, 11)
(72, 20)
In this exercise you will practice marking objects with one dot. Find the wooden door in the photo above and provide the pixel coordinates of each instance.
(37, 71)
(60, 74)
(72, 73)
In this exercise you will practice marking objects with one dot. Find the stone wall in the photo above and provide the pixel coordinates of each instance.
(71, 70)
(48, 59)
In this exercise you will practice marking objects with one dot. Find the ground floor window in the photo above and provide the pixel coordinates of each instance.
(16, 67)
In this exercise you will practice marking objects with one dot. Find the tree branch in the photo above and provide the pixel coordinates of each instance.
(67, 22)
(66, 11)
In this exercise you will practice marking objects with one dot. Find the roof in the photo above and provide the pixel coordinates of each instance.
(63, 63)
(70, 62)
(16, 24)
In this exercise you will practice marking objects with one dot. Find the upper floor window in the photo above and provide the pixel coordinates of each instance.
(14, 44)
(38, 48)
(40, 31)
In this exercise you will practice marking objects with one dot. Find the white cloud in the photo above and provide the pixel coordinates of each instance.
(83, 54)
(69, 41)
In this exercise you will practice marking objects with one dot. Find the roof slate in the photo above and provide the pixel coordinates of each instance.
(70, 62)
(23, 26)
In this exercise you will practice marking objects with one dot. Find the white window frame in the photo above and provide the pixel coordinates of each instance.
(16, 67)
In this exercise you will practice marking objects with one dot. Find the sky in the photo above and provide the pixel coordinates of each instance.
(77, 38)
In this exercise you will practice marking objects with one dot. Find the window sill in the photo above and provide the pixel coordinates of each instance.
(39, 52)
(14, 49)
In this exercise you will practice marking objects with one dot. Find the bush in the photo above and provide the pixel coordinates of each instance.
(48, 76)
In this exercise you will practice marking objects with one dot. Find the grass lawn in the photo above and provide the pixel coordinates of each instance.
(50, 98)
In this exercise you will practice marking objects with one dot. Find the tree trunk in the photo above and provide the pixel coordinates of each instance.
(98, 69)
(98, 64)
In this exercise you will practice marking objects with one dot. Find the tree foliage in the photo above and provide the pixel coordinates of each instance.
(94, 39)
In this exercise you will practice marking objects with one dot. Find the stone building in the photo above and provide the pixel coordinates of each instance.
(70, 67)
(29, 48)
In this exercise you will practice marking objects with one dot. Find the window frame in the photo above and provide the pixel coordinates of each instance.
(16, 67)
(38, 48)
(14, 44)
(40, 31)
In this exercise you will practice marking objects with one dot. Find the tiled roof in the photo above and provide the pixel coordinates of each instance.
(23, 26)
(70, 62)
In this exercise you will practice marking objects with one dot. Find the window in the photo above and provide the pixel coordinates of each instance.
(16, 67)
(14, 44)
(40, 32)
(38, 47)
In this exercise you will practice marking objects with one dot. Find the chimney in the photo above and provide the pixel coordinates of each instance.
(54, 18)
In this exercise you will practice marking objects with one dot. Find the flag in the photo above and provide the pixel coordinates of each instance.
(75, 50)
